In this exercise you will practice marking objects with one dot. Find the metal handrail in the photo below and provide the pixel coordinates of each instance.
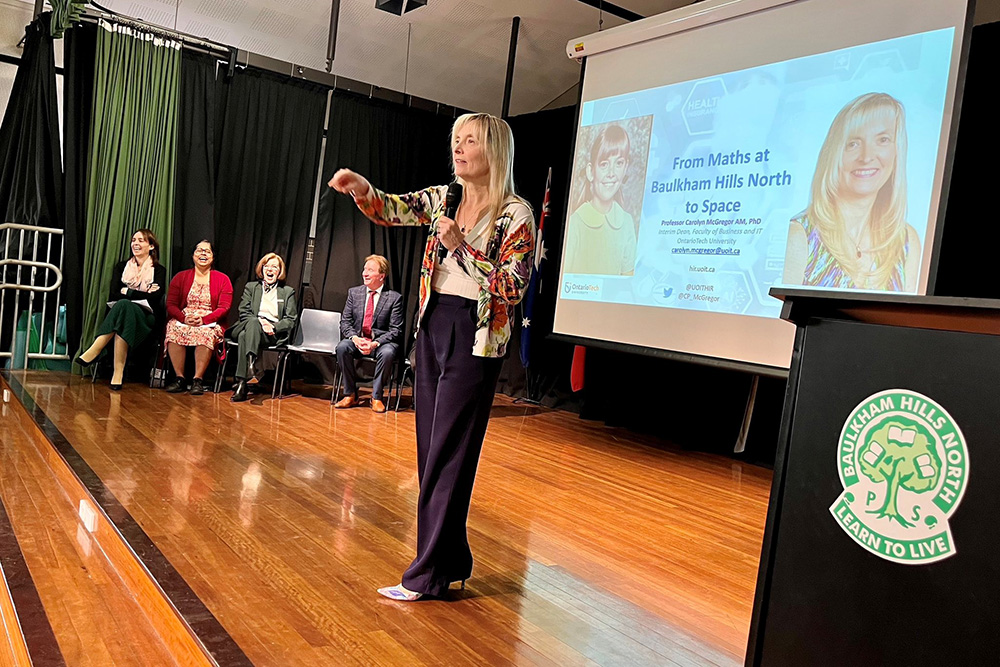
(39, 265)
(30, 228)
(30, 247)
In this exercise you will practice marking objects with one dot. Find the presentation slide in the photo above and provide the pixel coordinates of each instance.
(816, 171)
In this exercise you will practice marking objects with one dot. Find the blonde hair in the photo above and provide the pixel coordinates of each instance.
(494, 135)
(887, 226)
(383, 263)
(267, 258)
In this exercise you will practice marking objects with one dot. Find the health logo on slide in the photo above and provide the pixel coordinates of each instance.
(904, 464)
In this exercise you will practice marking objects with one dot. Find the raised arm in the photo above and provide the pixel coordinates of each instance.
(506, 277)
(422, 207)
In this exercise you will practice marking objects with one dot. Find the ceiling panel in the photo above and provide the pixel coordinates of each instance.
(451, 51)
(457, 48)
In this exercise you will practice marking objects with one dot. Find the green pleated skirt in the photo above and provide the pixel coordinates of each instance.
(133, 323)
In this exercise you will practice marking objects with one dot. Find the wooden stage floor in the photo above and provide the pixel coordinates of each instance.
(593, 545)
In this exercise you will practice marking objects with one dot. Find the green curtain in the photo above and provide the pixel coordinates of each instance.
(132, 155)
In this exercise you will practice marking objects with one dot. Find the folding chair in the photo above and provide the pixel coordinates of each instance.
(318, 333)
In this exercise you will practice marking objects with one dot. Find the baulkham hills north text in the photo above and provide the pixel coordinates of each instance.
(731, 181)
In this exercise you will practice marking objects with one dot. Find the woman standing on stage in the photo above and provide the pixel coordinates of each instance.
(466, 302)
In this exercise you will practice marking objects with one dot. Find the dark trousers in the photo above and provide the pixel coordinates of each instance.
(453, 391)
(384, 356)
(252, 340)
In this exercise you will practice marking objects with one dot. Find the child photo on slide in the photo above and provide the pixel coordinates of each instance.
(607, 196)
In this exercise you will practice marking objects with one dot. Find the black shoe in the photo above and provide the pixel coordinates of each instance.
(197, 387)
(83, 364)
(240, 393)
(116, 387)
(178, 386)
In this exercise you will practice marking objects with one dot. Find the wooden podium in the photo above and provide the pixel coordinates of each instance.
(882, 543)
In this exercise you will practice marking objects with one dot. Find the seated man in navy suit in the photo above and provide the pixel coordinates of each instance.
(370, 326)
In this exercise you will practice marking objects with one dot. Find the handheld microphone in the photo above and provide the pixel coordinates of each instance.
(451, 202)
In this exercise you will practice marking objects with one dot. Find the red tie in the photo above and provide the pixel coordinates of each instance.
(366, 326)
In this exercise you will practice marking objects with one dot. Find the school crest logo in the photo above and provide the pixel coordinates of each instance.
(904, 465)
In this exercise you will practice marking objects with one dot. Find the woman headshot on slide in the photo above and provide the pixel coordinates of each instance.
(854, 234)
(601, 238)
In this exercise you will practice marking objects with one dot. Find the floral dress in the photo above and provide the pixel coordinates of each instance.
(199, 303)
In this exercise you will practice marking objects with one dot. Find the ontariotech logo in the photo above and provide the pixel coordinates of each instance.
(580, 288)
(904, 464)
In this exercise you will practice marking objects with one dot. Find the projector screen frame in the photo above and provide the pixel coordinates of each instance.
(949, 159)
(673, 355)
(747, 366)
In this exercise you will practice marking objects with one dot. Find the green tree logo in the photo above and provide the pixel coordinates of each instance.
(904, 466)
(900, 454)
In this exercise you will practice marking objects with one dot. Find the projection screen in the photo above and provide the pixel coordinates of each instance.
(736, 145)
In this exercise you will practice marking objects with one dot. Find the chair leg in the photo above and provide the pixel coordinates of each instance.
(399, 389)
(156, 373)
(392, 382)
(221, 373)
(278, 379)
(284, 371)
(335, 393)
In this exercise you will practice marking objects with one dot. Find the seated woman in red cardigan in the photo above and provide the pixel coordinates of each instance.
(197, 303)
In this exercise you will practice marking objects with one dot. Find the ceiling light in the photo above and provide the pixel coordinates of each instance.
(398, 7)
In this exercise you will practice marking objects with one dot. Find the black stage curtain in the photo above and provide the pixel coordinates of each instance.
(30, 169)
(197, 126)
(78, 107)
(269, 146)
(31, 177)
(248, 154)
(967, 264)
(398, 150)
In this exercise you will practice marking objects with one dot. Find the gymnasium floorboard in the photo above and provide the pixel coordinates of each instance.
(269, 524)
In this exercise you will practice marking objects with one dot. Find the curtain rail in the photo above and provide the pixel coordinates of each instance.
(244, 59)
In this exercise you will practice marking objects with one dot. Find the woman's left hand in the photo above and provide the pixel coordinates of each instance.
(449, 233)
(152, 288)
(124, 290)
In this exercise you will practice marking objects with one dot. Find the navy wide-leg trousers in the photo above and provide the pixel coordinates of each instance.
(453, 391)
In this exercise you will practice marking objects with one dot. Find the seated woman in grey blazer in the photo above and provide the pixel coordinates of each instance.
(267, 317)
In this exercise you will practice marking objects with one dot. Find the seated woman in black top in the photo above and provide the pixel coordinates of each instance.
(138, 278)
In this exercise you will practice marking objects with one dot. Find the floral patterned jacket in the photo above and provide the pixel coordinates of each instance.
(503, 271)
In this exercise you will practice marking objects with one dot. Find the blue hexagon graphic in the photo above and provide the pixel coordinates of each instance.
(737, 293)
(699, 108)
(621, 109)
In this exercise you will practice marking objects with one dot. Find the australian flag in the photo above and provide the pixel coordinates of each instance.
(535, 286)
